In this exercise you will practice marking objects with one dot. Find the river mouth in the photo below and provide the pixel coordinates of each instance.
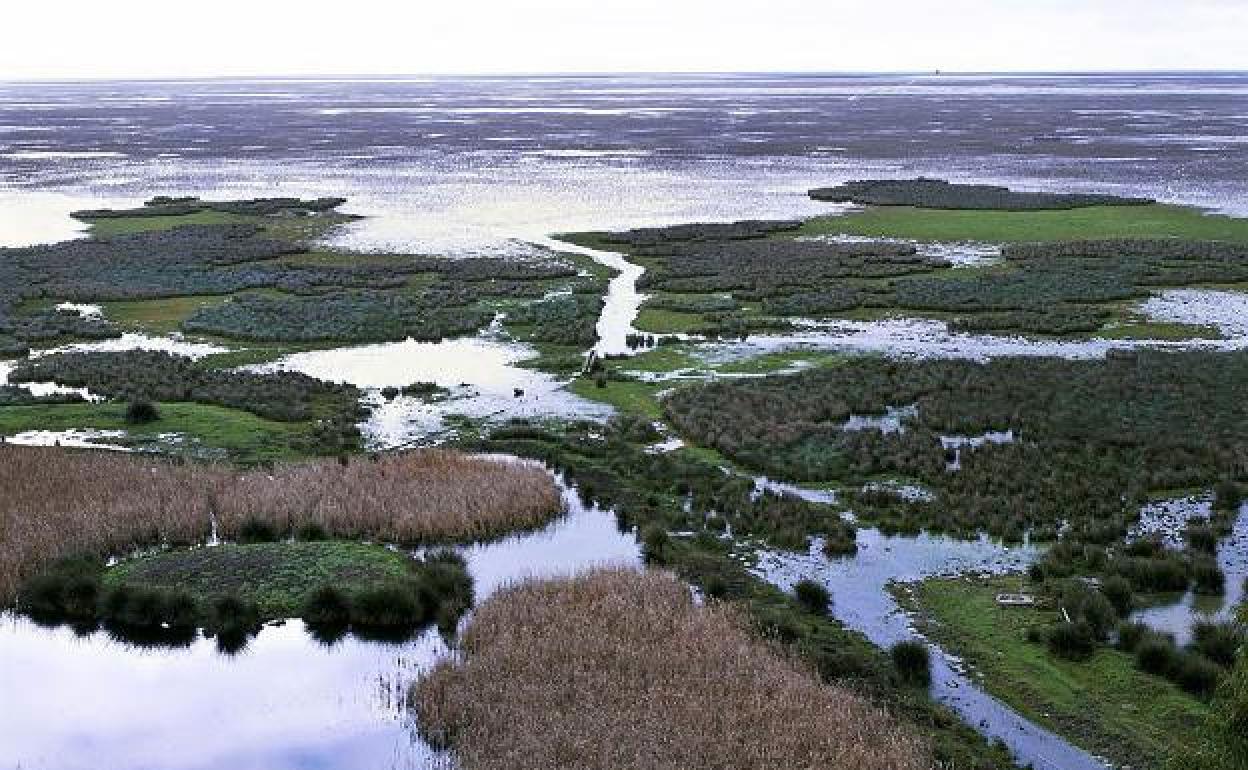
(285, 701)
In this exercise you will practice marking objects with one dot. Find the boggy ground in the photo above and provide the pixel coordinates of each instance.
(619, 669)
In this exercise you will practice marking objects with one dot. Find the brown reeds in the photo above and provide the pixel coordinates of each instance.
(617, 669)
(57, 503)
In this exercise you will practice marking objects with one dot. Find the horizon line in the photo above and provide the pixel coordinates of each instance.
(554, 74)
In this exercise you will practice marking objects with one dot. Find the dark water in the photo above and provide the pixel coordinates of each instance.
(475, 162)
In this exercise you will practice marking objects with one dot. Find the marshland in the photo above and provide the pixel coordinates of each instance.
(678, 470)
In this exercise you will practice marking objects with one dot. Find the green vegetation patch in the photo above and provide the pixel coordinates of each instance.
(1104, 704)
(276, 576)
(939, 194)
(1154, 221)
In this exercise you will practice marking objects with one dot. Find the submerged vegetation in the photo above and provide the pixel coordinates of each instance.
(596, 666)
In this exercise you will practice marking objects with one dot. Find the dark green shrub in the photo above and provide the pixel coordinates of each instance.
(141, 411)
(1227, 496)
(654, 540)
(1118, 591)
(1131, 634)
(232, 615)
(813, 596)
(1197, 675)
(912, 661)
(310, 531)
(1219, 642)
(256, 530)
(1208, 578)
(390, 605)
(1072, 641)
(1157, 655)
(326, 606)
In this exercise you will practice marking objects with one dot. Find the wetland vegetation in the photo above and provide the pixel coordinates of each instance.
(1045, 450)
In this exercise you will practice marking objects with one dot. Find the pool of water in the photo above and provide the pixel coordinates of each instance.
(483, 374)
(1179, 616)
(285, 702)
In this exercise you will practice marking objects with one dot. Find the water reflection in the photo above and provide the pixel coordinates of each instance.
(284, 702)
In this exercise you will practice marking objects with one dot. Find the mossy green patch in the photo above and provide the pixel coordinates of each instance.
(659, 321)
(1104, 704)
(138, 224)
(276, 576)
(202, 429)
(627, 396)
(157, 316)
(1155, 221)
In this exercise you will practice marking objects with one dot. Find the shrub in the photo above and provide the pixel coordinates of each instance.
(390, 605)
(1072, 641)
(257, 530)
(1208, 578)
(1157, 655)
(326, 606)
(311, 531)
(912, 661)
(813, 596)
(1118, 591)
(1227, 496)
(141, 411)
(1197, 675)
(1131, 634)
(654, 540)
(1219, 642)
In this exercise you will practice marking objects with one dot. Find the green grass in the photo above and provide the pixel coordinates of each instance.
(637, 397)
(208, 429)
(1157, 221)
(658, 321)
(1104, 705)
(662, 359)
(158, 316)
(127, 225)
(1159, 330)
(276, 576)
(768, 363)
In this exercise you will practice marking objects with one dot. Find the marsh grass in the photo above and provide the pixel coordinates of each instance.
(59, 503)
(619, 669)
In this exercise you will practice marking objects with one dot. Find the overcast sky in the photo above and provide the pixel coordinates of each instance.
(164, 38)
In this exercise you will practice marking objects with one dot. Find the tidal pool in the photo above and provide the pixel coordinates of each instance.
(285, 702)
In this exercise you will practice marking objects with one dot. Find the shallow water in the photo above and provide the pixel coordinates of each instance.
(861, 600)
(463, 164)
(1225, 310)
(1178, 617)
(482, 372)
(286, 702)
(921, 338)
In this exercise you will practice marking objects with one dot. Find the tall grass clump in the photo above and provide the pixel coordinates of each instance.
(913, 662)
(813, 596)
(621, 670)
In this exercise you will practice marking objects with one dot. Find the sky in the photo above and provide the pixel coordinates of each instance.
(159, 38)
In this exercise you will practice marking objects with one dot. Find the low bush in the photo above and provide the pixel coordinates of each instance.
(141, 412)
(913, 662)
(1219, 642)
(1072, 641)
(812, 595)
(1157, 655)
(1197, 675)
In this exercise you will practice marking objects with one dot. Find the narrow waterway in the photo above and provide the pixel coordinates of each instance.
(862, 601)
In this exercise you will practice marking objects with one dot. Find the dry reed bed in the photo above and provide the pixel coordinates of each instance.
(56, 503)
(617, 669)
(409, 497)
